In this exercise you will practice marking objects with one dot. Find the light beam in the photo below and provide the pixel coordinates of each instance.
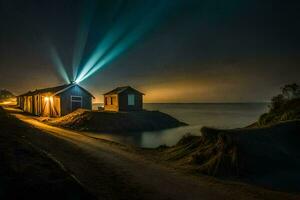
(82, 34)
(118, 29)
(126, 42)
(58, 64)
(125, 31)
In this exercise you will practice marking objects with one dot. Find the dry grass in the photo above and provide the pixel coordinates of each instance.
(242, 153)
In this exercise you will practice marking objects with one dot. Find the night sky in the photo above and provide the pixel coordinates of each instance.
(193, 50)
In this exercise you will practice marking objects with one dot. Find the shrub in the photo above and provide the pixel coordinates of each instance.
(277, 102)
(285, 106)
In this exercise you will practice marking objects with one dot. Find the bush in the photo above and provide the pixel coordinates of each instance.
(285, 106)
(290, 115)
(277, 102)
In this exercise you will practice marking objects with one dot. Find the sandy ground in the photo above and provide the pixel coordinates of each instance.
(114, 171)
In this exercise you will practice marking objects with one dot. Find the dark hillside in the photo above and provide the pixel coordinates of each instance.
(101, 121)
(6, 95)
(269, 156)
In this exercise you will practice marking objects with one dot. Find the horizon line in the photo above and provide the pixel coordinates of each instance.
(199, 102)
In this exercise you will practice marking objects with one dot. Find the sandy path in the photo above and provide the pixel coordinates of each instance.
(112, 173)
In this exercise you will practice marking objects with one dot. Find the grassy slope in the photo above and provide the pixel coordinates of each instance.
(116, 122)
(26, 173)
(268, 156)
(266, 153)
(267, 145)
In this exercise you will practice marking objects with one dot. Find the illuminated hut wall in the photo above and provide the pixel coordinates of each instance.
(57, 101)
(20, 102)
(123, 99)
(111, 102)
(28, 104)
(47, 105)
(74, 98)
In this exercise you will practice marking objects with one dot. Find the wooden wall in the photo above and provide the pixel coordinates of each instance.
(65, 99)
(28, 104)
(111, 103)
(123, 101)
(55, 106)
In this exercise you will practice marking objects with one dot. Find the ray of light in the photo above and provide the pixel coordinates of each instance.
(144, 25)
(117, 30)
(82, 34)
(101, 50)
(58, 64)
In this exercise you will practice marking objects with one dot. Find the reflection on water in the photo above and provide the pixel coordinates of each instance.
(168, 137)
(150, 139)
(196, 115)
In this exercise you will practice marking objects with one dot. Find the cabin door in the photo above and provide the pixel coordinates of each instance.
(45, 106)
(56, 107)
(76, 102)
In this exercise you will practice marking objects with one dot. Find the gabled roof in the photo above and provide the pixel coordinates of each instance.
(52, 89)
(29, 93)
(55, 90)
(119, 90)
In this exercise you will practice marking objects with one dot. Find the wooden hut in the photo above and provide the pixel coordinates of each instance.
(55, 101)
(123, 99)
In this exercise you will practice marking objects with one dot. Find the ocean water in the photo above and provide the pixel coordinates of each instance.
(197, 115)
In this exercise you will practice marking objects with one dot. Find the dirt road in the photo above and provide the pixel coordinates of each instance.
(111, 172)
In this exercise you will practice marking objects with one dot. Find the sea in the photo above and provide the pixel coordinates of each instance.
(196, 115)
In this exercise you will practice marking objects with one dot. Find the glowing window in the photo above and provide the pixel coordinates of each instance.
(131, 99)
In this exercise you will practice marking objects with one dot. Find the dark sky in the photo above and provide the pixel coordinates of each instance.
(197, 51)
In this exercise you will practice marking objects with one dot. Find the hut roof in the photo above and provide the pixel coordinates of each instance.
(119, 90)
(55, 90)
(26, 94)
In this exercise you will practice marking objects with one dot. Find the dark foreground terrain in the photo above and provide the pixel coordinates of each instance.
(114, 171)
(101, 121)
(27, 172)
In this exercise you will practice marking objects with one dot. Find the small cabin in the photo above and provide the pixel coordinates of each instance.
(123, 99)
(55, 101)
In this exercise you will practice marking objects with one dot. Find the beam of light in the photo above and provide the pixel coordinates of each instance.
(126, 42)
(82, 34)
(101, 50)
(58, 64)
(118, 29)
